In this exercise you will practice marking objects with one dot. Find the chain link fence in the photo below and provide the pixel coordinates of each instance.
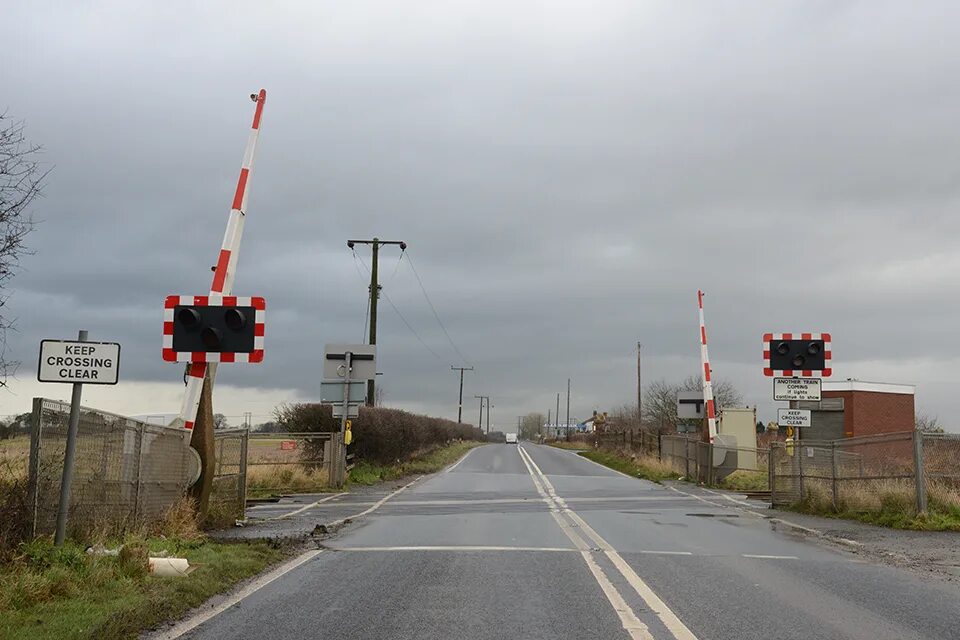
(294, 462)
(868, 473)
(127, 472)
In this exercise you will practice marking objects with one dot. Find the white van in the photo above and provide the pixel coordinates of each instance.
(511, 438)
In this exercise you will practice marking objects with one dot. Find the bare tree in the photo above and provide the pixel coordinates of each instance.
(21, 181)
(660, 406)
(660, 401)
(927, 423)
(724, 393)
(220, 421)
(531, 425)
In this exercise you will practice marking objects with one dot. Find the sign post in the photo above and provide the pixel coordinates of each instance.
(77, 362)
(345, 368)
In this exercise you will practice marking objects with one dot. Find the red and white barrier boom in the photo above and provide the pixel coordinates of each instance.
(226, 268)
(707, 384)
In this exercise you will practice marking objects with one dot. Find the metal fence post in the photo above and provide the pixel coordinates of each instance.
(711, 472)
(918, 473)
(137, 506)
(798, 454)
(833, 473)
(771, 471)
(33, 479)
(244, 447)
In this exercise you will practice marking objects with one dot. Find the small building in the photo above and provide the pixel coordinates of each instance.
(851, 408)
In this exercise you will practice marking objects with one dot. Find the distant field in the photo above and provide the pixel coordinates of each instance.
(14, 457)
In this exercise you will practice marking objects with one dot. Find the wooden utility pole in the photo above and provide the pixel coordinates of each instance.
(202, 441)
(460, 405)
(639, 389)
(374, 297)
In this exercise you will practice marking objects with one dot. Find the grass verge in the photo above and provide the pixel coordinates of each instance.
(638, 466)
(746, 481)
(366, 473)
(64, 594)
(887, 504)
(570, 446)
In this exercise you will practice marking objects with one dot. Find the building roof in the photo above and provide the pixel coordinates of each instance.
(870, 387)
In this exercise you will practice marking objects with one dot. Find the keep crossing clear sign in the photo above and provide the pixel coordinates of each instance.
(75, 361)
(793, 417)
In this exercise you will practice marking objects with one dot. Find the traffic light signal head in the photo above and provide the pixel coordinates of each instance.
(213, 329)
(797, 354)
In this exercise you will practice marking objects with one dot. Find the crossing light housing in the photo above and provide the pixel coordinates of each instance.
(797, 355)
(213, 329)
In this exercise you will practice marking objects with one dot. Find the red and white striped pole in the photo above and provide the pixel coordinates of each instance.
(707, 384)
(226, 268)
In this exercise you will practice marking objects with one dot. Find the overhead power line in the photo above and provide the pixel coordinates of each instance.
(394, 307)
(435, 314)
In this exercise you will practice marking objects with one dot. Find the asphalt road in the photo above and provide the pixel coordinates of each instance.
(528, 541)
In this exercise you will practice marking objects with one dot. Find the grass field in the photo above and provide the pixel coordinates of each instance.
(271, 469)
(14, 457)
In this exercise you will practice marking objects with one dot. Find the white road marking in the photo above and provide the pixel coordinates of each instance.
(628, 619)
(669, 553)
(455, 464)
(653, 601)
(309, 506)
(453, 548)
(763, 557)
(195, 621)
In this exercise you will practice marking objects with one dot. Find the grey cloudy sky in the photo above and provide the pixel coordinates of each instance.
(567, 175)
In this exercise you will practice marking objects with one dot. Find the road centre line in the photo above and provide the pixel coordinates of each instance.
(628, 619)
(195, 621)
(763, 557)
(653, 601)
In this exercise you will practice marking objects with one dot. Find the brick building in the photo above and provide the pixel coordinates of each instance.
(852, 408)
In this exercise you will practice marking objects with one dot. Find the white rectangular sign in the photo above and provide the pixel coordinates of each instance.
(74, 361)
(363, 361)
(797, 389)
(332, 392)
(690, 405)
(793, 417)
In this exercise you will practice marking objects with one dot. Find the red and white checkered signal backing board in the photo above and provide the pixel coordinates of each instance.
(259, 305)
(804, 373)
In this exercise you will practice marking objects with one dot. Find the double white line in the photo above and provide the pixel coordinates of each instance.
(569, 521)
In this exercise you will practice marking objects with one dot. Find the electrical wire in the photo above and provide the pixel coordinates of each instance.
(400, 315)
(435, 314)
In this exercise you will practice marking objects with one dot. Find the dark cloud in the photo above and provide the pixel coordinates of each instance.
(566, 180)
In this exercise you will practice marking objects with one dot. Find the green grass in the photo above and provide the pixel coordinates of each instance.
(571, 446)
(366, 473)
(65, 594)
(645, 467)
(894, 508)
(746, 481)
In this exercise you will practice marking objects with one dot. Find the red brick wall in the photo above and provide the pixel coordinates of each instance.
(867, 413)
